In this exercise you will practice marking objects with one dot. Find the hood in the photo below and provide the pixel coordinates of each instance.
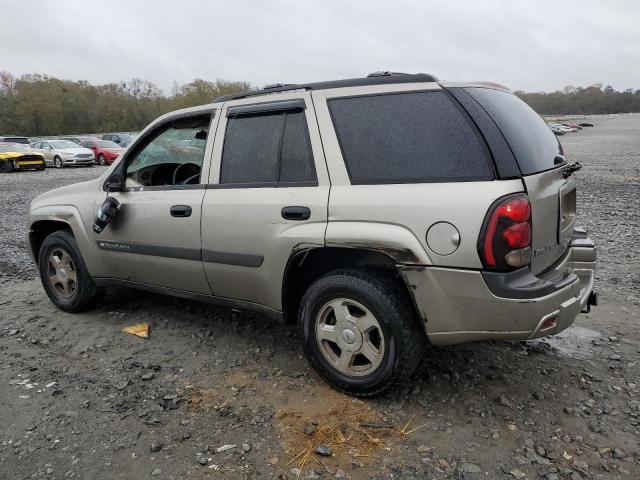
(67, 195)
(75, 150)
(6, 155)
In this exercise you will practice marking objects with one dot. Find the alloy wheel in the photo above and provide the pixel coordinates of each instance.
(349, 337)
(61, 273)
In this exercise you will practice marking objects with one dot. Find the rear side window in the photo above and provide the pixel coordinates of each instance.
(532, 142)
(267, 148)
(411, 137)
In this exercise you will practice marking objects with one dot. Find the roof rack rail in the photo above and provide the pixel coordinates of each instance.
(376, 78)
(385, 73)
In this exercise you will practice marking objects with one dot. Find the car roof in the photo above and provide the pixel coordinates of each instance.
(376, 78)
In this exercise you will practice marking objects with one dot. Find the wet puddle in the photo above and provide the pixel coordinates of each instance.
(574, 342)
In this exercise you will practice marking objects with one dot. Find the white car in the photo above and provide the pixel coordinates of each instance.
(62, 153)
(563, 128)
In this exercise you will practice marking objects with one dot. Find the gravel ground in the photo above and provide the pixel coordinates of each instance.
(80, 399)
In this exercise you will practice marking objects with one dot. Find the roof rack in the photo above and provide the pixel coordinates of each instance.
(375, 78)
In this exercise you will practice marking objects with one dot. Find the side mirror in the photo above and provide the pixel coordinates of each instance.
(114, 183)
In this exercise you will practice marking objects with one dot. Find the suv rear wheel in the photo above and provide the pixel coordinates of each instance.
(360, 332)
(64, 275)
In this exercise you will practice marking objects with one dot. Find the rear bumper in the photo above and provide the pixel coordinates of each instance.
(464, 305)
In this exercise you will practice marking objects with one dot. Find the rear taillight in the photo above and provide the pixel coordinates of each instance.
(505, 241)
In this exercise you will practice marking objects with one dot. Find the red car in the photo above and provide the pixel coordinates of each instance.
(573, 125)
(106, 151)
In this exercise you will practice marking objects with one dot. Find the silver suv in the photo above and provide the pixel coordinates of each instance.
(379, 214)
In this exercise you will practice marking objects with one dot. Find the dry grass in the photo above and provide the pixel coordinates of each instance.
(350, 428)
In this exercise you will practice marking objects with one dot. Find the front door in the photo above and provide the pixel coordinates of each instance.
(155, 238)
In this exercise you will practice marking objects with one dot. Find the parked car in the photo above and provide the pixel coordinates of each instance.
(63, 153)
(21, 140)
(586, 124)
(370, 211)
(555, 129)
(575, 126)
(563, 128)
(118, 137)
(14, 156)
(105, 151)
(77, 140)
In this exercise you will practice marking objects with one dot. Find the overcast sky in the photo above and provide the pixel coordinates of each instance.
(527, 45)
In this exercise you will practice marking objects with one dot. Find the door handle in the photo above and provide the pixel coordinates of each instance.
(180, 211)
(296, 213)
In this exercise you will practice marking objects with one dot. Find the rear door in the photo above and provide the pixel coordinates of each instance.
(267, 195)
(541, 161)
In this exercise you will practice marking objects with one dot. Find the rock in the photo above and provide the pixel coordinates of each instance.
(246, 447)
(156, 446)
(618, 454)
(615, 357)
(470, 468)
(552, 476)
(147, 376)
(423, 449)
(272, 460)
(340, 475)
(185, 436)
(296, 472)
(122, 385)
(323, 450)
(517, 473)
(156, 471)
(503, 400)
(49, 470)
(581, 465)
(310, 428)
(203, 461)
(224, 448)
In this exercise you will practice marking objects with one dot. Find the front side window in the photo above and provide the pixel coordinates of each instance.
(172, 155)
(411, 137)
(267, 148)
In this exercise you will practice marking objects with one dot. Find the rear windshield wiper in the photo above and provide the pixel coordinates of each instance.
(569, 169)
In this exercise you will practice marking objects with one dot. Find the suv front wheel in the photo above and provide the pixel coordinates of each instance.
(64, 275)
(360, 332)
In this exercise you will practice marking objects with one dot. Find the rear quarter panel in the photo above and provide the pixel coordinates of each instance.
(394, 218)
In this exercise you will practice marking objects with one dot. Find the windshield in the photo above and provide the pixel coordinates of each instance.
(107, 144)
(533, 143)
(12, 148)
(63, 144)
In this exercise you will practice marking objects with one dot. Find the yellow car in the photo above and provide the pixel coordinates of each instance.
(17, 157)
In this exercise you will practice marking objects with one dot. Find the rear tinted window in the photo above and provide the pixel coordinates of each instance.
(533, 143)
(408, 138)
(267, 148)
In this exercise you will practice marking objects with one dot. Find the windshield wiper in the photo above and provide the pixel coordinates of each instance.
(568, 170)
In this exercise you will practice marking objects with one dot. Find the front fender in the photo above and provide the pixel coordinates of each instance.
(69, 215)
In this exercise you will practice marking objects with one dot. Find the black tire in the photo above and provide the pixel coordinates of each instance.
(101, 160)
(57, 162)
(6, 166)
(404, 336)
(86, 293)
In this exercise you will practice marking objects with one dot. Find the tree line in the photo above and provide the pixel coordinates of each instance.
(583, 101)
(36, 104)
